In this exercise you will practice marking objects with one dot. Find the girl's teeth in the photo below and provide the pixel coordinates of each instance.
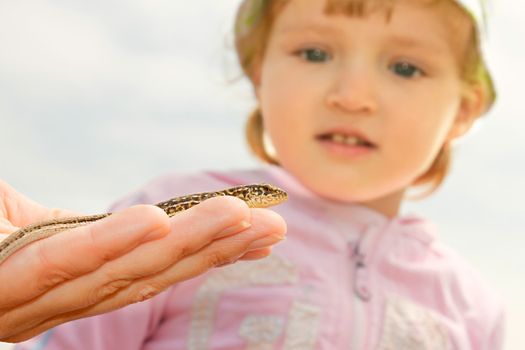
(347, 140)
(338, 138)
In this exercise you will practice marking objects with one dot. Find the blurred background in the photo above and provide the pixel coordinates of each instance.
(98, 97)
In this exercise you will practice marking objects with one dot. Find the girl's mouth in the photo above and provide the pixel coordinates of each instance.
(346, 139)
(346, 144)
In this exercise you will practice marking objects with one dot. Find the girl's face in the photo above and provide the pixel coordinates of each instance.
(357, 108)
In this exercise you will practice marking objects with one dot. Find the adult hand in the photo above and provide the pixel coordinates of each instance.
(125, 258)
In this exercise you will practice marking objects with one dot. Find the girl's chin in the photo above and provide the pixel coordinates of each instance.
(343, 193)
(334, 181)
(367, 196)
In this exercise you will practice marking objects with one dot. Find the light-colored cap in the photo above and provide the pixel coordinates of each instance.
(478, 10)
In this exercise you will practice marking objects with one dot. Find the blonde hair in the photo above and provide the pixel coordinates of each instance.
(253, 28)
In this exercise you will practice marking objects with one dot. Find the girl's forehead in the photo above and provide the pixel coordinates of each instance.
(363, 8)
(304, 12)
(434, 20)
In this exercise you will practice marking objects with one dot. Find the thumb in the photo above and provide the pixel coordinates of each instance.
(20, 210)
(6, 227)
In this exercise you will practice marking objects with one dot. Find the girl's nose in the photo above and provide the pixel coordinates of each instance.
(353, 91)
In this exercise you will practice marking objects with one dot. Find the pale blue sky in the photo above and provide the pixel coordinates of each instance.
(98, 97)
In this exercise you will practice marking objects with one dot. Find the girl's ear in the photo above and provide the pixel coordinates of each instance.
(471, 107)
(256, 80)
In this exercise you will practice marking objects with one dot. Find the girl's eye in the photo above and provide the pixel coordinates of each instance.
(406, 70)
(314, 55)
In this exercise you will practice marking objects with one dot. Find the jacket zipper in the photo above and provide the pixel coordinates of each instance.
(361, 296)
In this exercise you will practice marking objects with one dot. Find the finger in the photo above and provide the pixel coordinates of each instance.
(214, 218)
(43, 264)
(267, 228)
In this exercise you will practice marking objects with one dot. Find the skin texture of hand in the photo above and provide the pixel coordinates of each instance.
(125, 258)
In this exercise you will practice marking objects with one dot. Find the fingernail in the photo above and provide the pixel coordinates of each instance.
(233, 261)
(241, 226)
(257, 254)
(266, 242)
(146, 293)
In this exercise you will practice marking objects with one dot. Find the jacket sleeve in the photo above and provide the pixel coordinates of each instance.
(485, 315)
(495, 339)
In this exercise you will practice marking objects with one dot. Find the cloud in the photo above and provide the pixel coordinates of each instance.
(78, 76)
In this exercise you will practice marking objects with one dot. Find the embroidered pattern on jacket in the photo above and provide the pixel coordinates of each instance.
(411, 327)
(272, 270)
(261, 331)
(303, 326)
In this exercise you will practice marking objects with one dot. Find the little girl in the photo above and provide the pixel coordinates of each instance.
(359, 101)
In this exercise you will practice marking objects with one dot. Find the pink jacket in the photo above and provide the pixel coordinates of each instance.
(345, 278)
